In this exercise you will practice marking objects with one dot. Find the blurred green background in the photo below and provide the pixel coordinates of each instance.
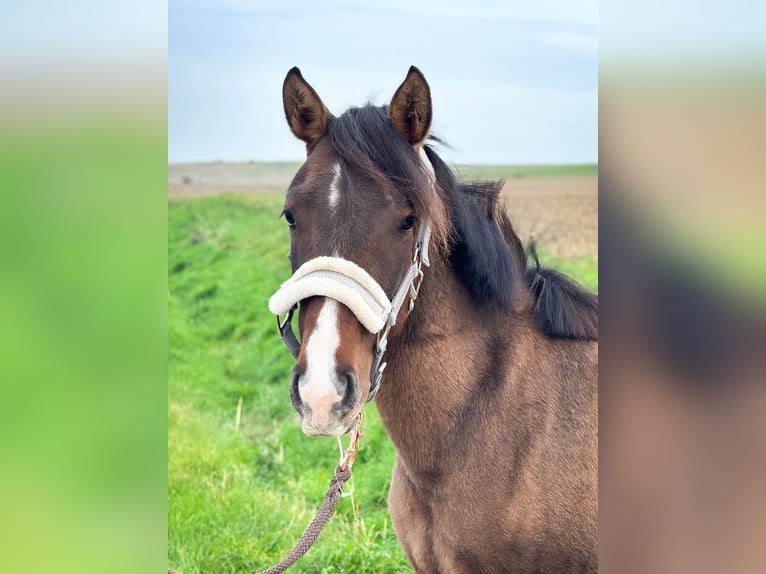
(82, 339)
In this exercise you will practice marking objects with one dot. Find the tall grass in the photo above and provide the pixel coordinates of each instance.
(243, 480)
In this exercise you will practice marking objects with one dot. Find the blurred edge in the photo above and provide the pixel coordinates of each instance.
(83, 200)
(683, 288)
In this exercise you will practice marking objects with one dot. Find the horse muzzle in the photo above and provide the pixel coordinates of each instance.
(325, 401)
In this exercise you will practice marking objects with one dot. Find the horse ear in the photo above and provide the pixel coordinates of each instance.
(410, 108)
(306, 115)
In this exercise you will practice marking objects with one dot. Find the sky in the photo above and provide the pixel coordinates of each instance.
(511, 82)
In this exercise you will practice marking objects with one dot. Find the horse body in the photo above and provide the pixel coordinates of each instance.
(490, 393)
(488, 477)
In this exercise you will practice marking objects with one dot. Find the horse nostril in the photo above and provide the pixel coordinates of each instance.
(295, 395)
(348, 390)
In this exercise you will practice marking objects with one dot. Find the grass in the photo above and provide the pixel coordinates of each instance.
(502, 172)
(583, 269)
(243, 480)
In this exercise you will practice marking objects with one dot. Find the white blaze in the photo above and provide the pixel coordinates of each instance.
(318, 392)
(334, 186)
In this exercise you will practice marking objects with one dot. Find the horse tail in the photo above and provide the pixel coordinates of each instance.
(563, 308)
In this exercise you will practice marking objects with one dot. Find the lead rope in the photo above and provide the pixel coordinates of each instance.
(320, 520)
(334, 493)
(331, 499)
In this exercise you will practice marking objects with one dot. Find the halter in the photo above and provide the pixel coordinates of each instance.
(351, 285)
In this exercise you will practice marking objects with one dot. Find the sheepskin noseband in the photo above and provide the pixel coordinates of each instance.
(338, 279)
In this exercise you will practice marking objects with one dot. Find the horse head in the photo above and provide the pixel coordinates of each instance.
(360, 212)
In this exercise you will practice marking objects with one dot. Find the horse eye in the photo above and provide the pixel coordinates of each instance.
(408, 223)
(289, 218)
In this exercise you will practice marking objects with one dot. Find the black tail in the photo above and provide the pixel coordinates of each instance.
(563, 309)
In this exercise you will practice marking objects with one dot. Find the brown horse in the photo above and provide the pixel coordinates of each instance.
(490, 390)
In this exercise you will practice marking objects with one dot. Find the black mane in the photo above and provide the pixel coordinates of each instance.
(470, 224)
(563, 309)
(487, 255)
(366, 139)
(489, 262)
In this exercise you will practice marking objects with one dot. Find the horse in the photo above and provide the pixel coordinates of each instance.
(489, 393)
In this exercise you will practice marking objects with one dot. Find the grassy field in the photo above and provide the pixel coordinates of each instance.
(503, 172)
(243, 480)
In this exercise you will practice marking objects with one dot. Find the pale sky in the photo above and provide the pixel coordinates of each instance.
(512, 82)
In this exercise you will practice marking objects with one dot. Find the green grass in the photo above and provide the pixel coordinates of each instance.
(502, 172)
(582, 269)
(239, 497)
(241, 491)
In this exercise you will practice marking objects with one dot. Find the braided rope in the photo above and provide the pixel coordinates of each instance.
(306, 541)
(331, 499)
(315, 528)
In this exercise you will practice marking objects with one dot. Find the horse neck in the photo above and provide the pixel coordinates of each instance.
(434, 361)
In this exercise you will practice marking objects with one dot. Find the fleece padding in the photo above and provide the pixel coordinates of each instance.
(338, 279)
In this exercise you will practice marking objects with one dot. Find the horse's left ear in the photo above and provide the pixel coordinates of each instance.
(410, 108)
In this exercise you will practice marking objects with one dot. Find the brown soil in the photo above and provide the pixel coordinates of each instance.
(561, 213)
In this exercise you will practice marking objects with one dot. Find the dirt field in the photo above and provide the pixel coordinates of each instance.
(560, 212)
